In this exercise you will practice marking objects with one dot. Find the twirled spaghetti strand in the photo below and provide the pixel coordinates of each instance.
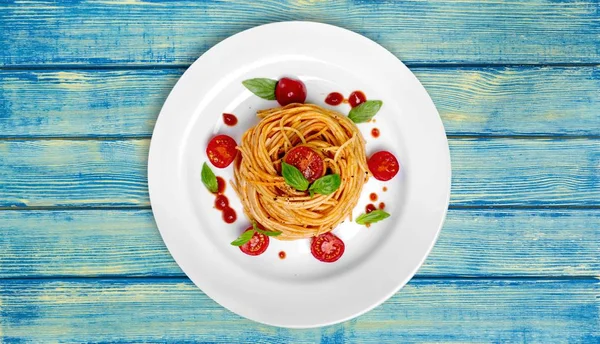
(266, 197)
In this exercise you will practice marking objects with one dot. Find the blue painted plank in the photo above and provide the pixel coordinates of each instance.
(82, 103)
(92, 102)
(73, 173)
(516, 101)
(516, 172)
(479, 243)
(125, 311)
(505, 172)
(471, 101)
(176, 32)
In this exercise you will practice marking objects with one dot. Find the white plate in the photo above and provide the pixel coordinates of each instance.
(299, 291)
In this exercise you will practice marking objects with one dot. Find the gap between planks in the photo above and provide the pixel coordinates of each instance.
(450, 207)
(179, 278)
(449, 136)
(55, 67)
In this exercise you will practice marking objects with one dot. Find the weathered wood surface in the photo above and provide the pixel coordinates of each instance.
(516, 84)
(474, 243)
(486, 172)
(471, 101)
(174, 310)
(177, 32)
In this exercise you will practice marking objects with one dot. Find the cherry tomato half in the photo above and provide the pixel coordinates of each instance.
(221, 151)
(257, 245)
(307, 160)
(289, 91)
(327, 247)
(383, 165)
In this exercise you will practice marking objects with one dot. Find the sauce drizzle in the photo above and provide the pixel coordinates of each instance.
(281, 255)
(229, 215)
(369, 208)
(381, 205)
(375, 132)
(230, 119)
(373, 197)
(334, 98)
(356, 98)
(221, 185)
(222, 202)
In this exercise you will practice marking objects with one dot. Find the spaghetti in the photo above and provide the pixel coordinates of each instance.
(267, 198)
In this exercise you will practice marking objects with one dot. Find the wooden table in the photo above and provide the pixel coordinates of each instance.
(517, 85)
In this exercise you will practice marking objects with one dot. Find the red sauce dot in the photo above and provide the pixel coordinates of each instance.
(281, 254)
(229, 215)
(334, 98)
(356, 98)
(384, 188)
(221, 202)
(381, 205)
(221, 185)
(230, 119)
(375, 132)
(369, 208)
(373, 197)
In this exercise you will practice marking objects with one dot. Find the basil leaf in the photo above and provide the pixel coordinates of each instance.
(243, 238)
(209, 179)
(326, 185)
(372, 217)
(293, 177)
(365, 111)
(262, 87)
(267, 233)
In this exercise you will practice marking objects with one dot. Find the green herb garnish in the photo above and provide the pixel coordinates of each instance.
(372, 217)
(325, 185)
(243, 238)
(293, 177)
(247, 235)
(262, 87)
(209, 179)
(267, 233)
(365, 111)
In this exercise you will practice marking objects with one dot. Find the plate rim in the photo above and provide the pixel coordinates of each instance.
(166, 238)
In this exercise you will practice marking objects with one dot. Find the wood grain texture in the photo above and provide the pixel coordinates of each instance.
(486, 172)
(78, 173)
(82, 103)
(516, 101)
(471, 101)
(176, 32)
(476, 243)
(163, 310)
(512, 172)
(79, 96)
